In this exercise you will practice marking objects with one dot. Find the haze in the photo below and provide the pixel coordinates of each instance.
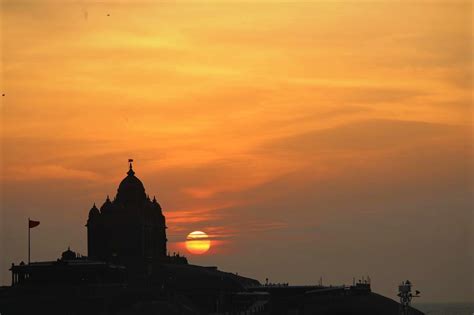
(327, 139)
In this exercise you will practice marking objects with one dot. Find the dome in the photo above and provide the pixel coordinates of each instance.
(106, 206)
(94, 211)
(131, 189)
(68, 255)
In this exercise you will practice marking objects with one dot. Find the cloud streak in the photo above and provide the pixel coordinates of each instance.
(298, 140)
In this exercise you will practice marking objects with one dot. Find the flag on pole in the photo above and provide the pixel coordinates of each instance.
(32, 224)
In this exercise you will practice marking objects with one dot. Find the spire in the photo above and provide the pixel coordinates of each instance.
(156, 204)
(130, 171)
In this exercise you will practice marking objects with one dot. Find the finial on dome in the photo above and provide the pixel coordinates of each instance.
(154, 199)
(108, 199)
(130, 171)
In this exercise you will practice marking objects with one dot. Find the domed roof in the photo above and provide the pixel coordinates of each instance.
(106, 206)
(68, 254)
(131, 189)
(94, 211)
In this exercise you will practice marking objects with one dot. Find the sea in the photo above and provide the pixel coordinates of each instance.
(445, 308)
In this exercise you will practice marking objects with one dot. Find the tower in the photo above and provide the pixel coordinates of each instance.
(406, 295)
(130, 229)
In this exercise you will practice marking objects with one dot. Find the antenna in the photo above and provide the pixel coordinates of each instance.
(405, 294)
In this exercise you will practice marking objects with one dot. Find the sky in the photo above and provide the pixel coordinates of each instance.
(309, 139)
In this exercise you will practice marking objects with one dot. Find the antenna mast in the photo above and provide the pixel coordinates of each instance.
(405, 294)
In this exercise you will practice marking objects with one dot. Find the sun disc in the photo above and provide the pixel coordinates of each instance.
(198, 242)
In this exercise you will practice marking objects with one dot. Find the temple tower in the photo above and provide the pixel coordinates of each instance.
(130, 229)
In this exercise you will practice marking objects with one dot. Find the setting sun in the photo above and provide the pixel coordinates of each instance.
(294, 139)
(198, 242)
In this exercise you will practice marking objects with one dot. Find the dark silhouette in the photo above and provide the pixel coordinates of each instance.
(130, 230)
(128, 271)
(70, 270)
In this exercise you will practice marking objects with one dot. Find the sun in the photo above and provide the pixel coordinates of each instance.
(198, 242)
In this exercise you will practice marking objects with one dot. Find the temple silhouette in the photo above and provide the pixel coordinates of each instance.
(129, 230)
(128, 270)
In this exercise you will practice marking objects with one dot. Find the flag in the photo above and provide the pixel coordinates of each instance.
(32, 224)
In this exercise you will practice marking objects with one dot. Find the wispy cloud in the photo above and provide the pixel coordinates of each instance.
(249, 126)
(46, 172)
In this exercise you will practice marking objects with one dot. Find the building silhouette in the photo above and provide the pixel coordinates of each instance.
(127, 271)
(128, 230)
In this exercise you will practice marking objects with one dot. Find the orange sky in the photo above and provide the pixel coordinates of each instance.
(333, 135)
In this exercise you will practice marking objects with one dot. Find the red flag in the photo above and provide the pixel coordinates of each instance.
(32, 224)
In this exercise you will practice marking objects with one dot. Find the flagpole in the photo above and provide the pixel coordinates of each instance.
(29, 246)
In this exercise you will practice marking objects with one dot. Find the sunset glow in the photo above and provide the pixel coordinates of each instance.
(273, 126)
